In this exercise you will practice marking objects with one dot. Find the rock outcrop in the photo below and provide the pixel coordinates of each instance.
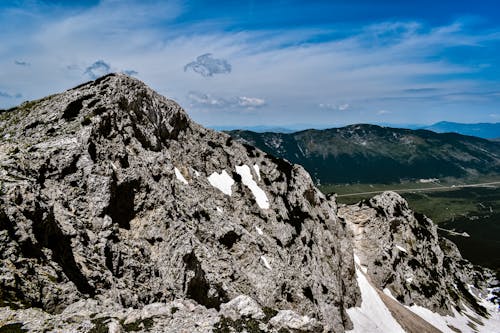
(118, 213)
(110, 192)
(401, 253)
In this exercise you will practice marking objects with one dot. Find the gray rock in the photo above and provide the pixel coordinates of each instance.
(95, 205)
(401, 251)
(111, 219)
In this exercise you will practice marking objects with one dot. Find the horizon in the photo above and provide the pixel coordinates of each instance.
(251, 63)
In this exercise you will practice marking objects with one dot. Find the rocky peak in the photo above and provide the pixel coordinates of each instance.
(117, 212)
(111, 193)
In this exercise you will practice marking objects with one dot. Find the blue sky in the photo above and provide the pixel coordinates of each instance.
(275, 63)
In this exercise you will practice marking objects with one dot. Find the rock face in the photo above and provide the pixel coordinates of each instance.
(110, 192)
(401, 251)
(118, 213)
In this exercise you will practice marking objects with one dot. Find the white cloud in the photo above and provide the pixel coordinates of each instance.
(382, 112)
(251, 102)
(335, 107)
(97, 69)
(206, 65)
(200, 99)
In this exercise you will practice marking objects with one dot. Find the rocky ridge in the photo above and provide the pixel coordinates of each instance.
(119, 213)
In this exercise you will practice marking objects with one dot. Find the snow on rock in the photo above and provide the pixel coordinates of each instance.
(257, 171)
(265, 262)
(402, 249)
(180, 177)
(196, 173)
(462, 322)
(222, 181)
(259, 230)
(373, 316)
(247, 179)
(219, 210)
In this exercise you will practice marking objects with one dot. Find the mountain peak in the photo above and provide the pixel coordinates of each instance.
(119, 212)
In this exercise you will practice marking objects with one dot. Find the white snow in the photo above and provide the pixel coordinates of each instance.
(180, 177)
(358, 261)
(196, 173)
(257, 171)
(461, 321)
(265, 262)
(373, 316)
(219, 210)
(247, 179)
(221, 181)
(402, 249)
(259, 230)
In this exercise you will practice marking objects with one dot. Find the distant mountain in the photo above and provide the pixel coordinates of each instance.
(370, 153)
(481, 130)
(258, 128)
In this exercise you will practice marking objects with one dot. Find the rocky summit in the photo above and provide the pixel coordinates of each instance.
(120, 214)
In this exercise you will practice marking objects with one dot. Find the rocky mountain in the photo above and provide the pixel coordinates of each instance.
(374, 154)
(120, 214)
(481, 130)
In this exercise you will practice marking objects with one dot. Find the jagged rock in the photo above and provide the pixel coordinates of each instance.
(401, 251)
(118, 213)
(106, 194)
(289, 320)
(242, 306)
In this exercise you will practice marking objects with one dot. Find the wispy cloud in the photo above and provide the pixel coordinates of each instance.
(335, 107)
(130, 72)
(21, 63)
(206, 65)
(7, 95)
(382, 112)
(206, 100)
(97, 69)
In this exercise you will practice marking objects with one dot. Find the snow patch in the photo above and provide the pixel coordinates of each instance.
(247, 180)
(402, 249)
(358, 261)
(259, 230)
(196, 173)
(265, 262)
(180, 177)
(373, 316)
(257, 171)
(221, 181)
(219, 210)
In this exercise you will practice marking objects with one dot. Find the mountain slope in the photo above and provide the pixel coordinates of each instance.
(481, 130)
(118, 213)
(371, 154)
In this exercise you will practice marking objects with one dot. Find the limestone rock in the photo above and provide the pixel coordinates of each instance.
(107, 195)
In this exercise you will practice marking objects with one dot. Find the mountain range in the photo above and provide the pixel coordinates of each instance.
(375, 154)
(481, 130)
(118, 213)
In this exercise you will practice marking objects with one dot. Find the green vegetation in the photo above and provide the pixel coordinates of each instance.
(100, 325)
(369, 153)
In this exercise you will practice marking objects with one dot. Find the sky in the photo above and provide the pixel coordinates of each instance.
(273, 63)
